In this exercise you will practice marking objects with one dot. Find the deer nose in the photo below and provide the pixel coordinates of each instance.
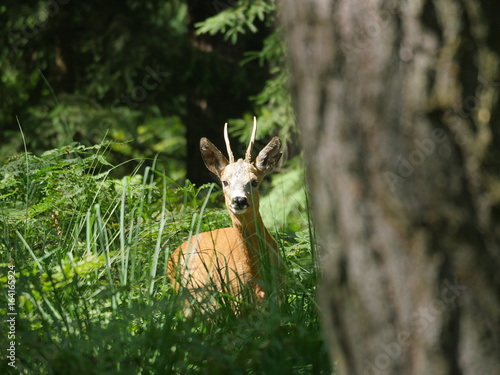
(240, 202)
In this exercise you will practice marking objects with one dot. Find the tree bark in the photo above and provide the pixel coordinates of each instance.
(398, 106)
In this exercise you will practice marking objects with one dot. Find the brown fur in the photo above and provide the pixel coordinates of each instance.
(231, 258)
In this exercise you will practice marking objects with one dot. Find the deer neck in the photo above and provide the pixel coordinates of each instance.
(259, 245)
(251, 228)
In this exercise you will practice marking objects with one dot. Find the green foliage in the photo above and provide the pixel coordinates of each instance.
(237, 18)
(284, 205)
(65, 79)
(273, 103)
(132, 74)
(90, 254)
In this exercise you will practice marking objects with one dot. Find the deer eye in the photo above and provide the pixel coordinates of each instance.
(255, 183)
(225, 183)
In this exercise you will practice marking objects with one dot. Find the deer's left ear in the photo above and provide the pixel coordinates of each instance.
(268, 158)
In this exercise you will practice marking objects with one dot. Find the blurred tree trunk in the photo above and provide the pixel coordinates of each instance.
(398, 104)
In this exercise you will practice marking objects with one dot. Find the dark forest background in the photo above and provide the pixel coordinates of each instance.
(154, 76)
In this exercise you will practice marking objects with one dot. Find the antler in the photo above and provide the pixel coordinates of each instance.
(248, 155)
(228, 146)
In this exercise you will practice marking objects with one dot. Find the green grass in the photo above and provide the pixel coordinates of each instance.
(90, 255)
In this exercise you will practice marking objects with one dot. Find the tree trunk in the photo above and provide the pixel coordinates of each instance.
(399, 111)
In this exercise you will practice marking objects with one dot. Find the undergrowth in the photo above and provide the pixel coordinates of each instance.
(89, 254)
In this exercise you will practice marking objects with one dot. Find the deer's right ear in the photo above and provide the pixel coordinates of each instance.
(213, 158)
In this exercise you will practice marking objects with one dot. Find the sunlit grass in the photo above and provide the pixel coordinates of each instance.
(92, 297)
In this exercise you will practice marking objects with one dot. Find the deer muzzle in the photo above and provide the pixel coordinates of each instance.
(239, 204)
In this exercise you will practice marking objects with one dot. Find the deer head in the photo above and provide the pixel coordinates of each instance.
(241, 179)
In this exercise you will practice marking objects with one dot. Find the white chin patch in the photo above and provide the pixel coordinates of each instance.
(238, 211)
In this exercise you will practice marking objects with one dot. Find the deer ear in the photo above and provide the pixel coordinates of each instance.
(268, 158)
(213, 158)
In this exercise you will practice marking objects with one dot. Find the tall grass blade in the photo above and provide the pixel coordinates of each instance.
(123, 250)
(28, 247)
(156, 255)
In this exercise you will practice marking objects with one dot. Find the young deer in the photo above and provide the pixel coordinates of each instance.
(228, 259)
